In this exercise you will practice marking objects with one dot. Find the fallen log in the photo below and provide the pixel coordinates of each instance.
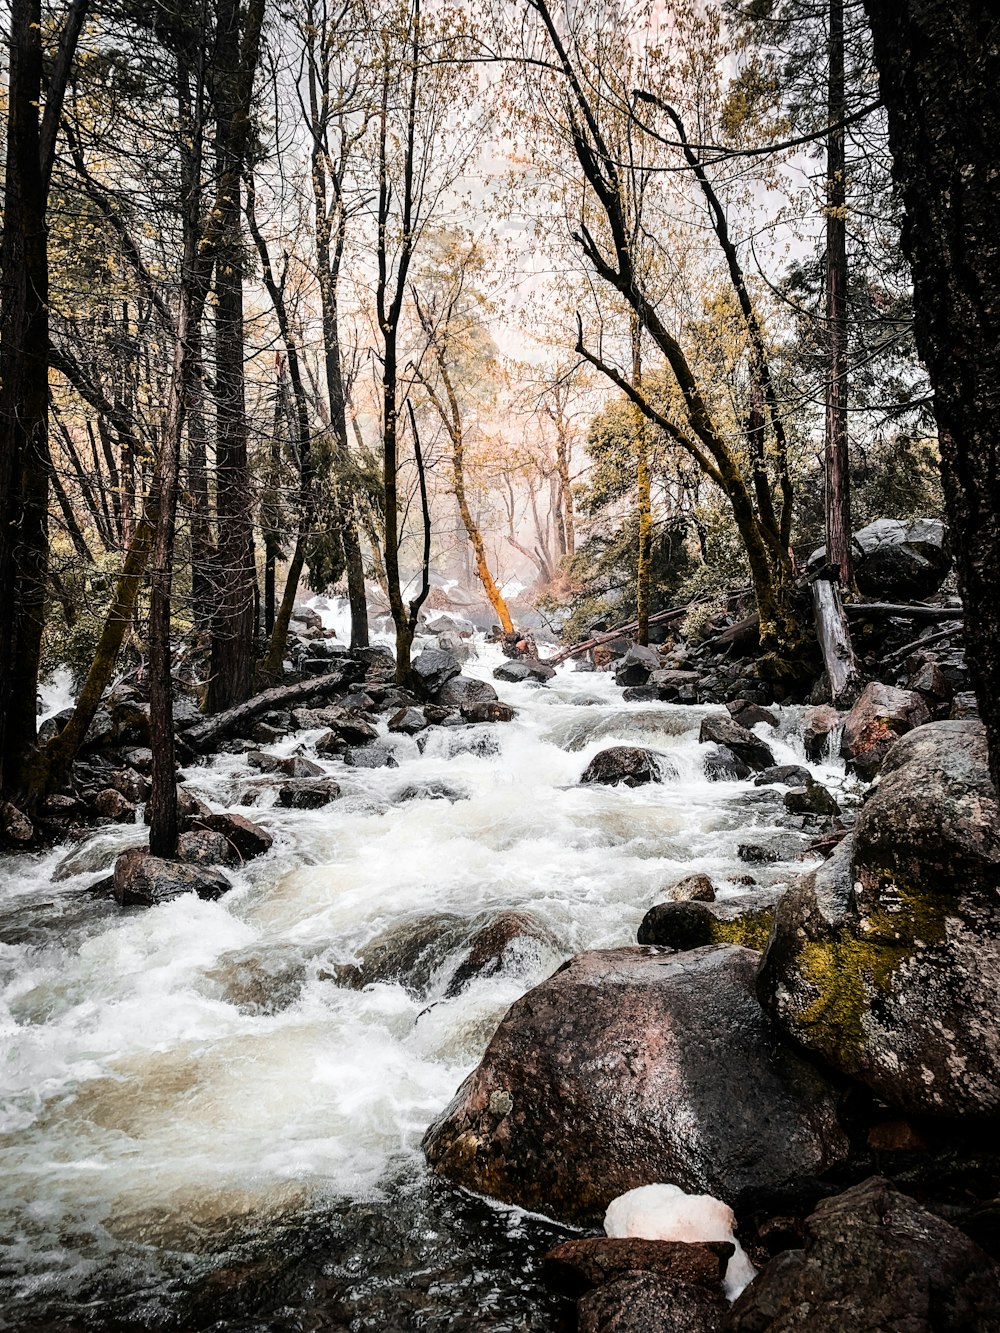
(609, 636)
(939, 636)
(906, 610)
(203, 735)
(834, 637)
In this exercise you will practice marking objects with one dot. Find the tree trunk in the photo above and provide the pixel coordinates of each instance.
(838, 493)
(834, 637)
(939, 73)
(644, 512)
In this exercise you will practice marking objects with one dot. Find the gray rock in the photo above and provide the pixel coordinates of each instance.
(247, 839)
(648, 1065)
(692, 888)
(636, 667)
(464, 691)
(523, 670)
(376, 755)
(626, 764)
(16, 829)
(790, 775)
(722, 765)
(896, 560)
(203, 847)
(820, 725)
(873, 1261)
(307, 793)
(488, 712)
(407, 721)
(432, 668)
(744, 744)
(111, 804)
(814, 799)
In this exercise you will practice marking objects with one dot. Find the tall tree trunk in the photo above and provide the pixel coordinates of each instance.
(644, 513)
(939, 73)
(838, 477)
(24, 359)
(233, 619)
(202, 552)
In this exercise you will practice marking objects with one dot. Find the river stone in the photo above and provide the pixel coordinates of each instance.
(671, 683)
(204, 847)
(689, 925)
(722, 765)
(464, 692)
(628, 1066)
(408, 953)
(636, 667)
(576, 1265)
(882, 713)
(247, 838)
(488, 712)
(880, 960)
(691, 889)
(820, 725)
(748, 714)
(651, 1303)
(791, 775)
(895, 560)
(111, 804)
(407, 721)
(813, 799)
(432, 668)
(627, 764)
(523, 669)
(16, 829)
(743, 743)
(142, 880)
(307, 793)
(873, 1261)
(376, 755)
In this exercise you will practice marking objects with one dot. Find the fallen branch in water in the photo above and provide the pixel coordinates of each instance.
(908, 610)
(203, 735)
(609, 636)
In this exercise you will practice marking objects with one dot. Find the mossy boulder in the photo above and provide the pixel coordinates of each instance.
(689, 925)
(886, 960)
(633, 1065)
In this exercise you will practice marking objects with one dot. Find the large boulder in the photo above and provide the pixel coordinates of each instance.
(719, 730)
(626, 764)
(464, 692)
(636, 667)
(629, 1066)
(497, 938)
(873, 1261)
(246, 838)
(871, 727)
(897, 560)
(522, 670)
(881, 960)
(432, 669)
(821, 724)
(142, 880)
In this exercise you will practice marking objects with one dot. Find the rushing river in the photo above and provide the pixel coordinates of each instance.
(201, 1129)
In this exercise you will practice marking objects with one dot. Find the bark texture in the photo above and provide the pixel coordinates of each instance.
(939, 71)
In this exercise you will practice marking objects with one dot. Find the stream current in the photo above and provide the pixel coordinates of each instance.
(200, 1128)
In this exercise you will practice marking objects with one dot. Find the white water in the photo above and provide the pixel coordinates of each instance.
(171, 1074)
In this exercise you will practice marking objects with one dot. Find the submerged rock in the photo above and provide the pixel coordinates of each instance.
(493, 942)
(873, 1260)
(627, 764)
(594, 1080)
(880, 960)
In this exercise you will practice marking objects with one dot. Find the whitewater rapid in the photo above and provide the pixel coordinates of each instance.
(174, 1079)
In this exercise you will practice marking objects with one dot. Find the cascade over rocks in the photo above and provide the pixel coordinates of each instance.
(880, 960)
(627, 764)
(880, 715)
(722, 765)
(873, 1260)
(629, 1065)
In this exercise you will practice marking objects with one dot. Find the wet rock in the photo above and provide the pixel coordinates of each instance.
(308, 793)
(376, 755)
(481, 743)
(744, 744)
(203, 847)
(636, 667)
(617, 1054)
(523, 670)
(16, 829)
(431, 791)
(814, 799)
(111, 804)
(246, 838)
(874, 1260)
(722, 765)
(749, 714)
(433, 668)
(260, 982)
(488, 712)
(756, 854)
(493, 943)
(651, 1303)
(895, 560)
(189, 806)
(142, 880)
(408, 953)
(626, 764)
(131, 721)
(464, 692)
(820, 725)
(881, 714)
(691, 889)
(930, 681)
(641, 694)
(132, 785)
(676, 684)
(880, 959)
(264, 734)
(292, 766)
(964, 705)
(790, 775)
(690, 925)
(576, 1265)
(407, 721)
(345, 730)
